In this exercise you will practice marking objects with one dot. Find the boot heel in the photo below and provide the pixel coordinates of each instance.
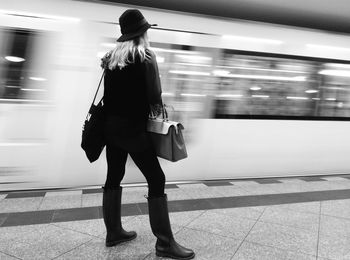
(161, 254)
(117, 242)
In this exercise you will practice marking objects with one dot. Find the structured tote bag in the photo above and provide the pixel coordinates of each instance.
(93, 140)
(167, 137)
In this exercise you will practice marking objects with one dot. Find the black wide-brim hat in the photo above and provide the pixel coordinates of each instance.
(132, 24)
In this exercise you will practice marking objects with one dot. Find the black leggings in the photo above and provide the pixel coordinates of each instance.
(145, 160)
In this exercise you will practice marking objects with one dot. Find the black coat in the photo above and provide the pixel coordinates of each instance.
(128, 94)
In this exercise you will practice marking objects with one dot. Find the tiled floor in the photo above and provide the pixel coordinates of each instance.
(266, 219)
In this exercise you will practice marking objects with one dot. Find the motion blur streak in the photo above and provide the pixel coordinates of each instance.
(256, 99)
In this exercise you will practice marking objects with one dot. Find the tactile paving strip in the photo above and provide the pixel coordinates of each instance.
(211, 183)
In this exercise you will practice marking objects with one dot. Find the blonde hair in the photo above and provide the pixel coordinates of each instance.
(124, 53)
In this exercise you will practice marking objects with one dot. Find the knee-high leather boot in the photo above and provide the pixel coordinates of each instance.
(166, 245)
(111, 208)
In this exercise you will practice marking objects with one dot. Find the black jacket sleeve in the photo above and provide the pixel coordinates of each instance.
(153, 85)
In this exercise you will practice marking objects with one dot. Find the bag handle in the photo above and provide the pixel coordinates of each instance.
(164, 112)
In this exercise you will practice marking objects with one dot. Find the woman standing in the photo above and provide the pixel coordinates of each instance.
(131, 89)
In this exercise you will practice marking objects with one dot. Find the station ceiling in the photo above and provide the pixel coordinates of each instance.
(329, 15)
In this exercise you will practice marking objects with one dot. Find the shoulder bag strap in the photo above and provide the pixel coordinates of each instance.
(92, 107)
(99, 84)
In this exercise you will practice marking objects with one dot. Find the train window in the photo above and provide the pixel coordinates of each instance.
(334, 100)
(20, 78)
(255, 85)
(274, 87)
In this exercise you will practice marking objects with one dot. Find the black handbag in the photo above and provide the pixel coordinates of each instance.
(93, 141)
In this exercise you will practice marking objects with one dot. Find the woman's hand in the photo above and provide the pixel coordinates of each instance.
(156, 110)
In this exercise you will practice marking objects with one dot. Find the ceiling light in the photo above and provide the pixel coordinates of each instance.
(220, 72)
(339, 73)
(37, 78)
(261, 96)
(311, 91)
(195, 58)
(14, 59)
(297, 98)
(32, 89)
(192, 95)
(255, 88)
(338, 65)
(331, 99)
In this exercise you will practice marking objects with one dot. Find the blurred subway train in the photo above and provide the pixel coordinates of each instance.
(256, 99)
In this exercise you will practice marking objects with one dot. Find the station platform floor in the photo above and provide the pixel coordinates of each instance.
(264, 219)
